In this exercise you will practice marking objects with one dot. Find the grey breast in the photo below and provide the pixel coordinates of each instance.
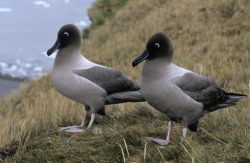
(109, 79)
(202, 89)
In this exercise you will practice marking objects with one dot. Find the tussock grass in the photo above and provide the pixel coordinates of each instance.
(211, 38)
(100, 11)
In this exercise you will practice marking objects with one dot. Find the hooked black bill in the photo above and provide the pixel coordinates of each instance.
(54, 48)
(141, 58)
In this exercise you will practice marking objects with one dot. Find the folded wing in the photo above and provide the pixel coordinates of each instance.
(206, 91)
(109, 79)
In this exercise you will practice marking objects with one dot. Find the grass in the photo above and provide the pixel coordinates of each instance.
(211, 38)
(101, 11)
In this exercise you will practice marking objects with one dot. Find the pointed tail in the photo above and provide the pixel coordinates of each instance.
(231, 100)
(234, 97)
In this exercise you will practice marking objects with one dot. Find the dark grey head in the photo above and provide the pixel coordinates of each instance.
(158, 46)
(67, 36)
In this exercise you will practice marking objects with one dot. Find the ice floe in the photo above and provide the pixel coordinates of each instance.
(82, 23)
(20, 70)
(42, 3)
(5, 10)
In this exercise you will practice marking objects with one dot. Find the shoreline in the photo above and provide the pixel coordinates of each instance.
(8, 86)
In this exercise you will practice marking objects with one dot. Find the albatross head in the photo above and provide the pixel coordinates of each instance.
(68, 35)
(158, 46)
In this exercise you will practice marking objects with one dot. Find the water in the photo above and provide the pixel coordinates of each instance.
(28, 28)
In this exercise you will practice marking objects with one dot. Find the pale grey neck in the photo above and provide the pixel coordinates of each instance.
(155, 67)
(67, 56)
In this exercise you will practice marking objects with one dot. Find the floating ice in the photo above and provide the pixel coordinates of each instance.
(81, 23)
(28, 65)
(5, 10)
(12, 68)
(38, 69)
(20, 70)
(3, 65)
(42, 3)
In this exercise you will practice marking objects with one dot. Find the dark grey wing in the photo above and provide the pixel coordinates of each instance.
(109, 79)
(202, 89)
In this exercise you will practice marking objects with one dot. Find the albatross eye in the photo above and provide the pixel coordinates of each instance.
(157, 44)
(66, 33)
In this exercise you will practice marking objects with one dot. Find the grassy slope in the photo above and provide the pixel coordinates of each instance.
(210, 37)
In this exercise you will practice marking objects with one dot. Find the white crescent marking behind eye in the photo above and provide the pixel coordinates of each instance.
(157, 44)
(66, 33)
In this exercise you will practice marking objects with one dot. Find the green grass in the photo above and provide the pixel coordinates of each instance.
(101, 11)
(211, 38)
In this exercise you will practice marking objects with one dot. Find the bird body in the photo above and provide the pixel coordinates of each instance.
(88, 83)
(175, 91)
(74, 86)
(160, 91)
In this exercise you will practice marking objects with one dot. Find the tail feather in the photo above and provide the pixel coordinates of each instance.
(235, 96)
(231, 99)
(122, 97)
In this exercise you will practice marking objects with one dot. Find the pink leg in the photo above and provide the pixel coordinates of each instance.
(84, 118)
(91, 120)
(161, 141)
(75, 129)
(170, 123)
(184, 132)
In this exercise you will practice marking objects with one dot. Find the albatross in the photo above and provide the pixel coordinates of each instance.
(179, 93)
(83, 81)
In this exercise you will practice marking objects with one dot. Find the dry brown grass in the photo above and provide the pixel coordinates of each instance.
(211, 38)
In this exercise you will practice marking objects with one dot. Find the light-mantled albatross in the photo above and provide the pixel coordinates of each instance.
(175, 91)
(88, 83)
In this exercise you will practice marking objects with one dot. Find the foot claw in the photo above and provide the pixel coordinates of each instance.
(71, 129)
(158, 141)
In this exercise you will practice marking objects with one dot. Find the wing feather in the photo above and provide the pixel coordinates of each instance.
(202, 89)
(109, 79)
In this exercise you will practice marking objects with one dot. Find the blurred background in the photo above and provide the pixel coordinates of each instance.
(28, 28)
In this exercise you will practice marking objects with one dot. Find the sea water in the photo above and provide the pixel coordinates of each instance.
(28, 28)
